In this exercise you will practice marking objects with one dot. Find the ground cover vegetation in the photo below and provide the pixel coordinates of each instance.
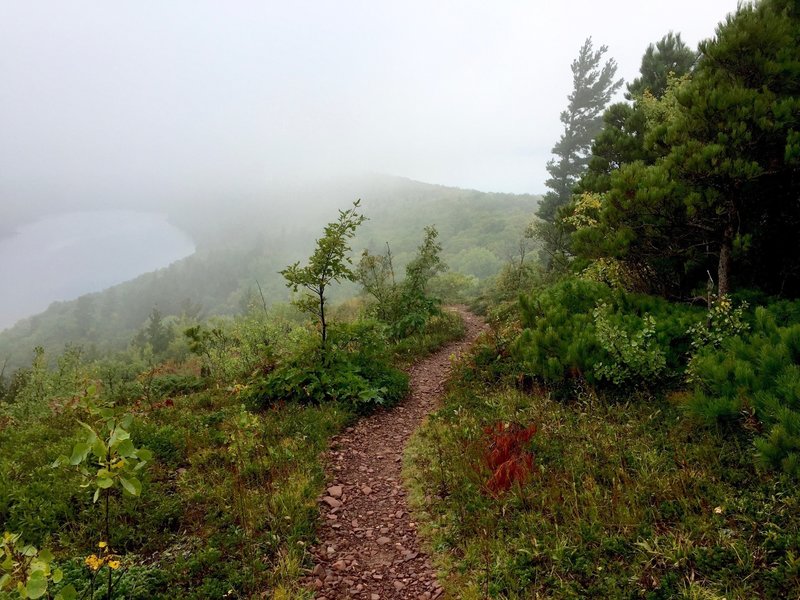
(189, 466)
(630, 425)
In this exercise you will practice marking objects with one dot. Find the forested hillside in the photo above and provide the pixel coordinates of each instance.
(246, 246)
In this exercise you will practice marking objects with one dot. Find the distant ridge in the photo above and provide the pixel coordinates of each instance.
(239, 243)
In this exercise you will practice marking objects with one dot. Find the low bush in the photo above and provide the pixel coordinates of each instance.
(354, 367)
(753, 380)
(509, 460)
(438, 330)
(173, 384)
(579, 329)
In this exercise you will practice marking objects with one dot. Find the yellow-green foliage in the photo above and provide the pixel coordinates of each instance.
(26, 572)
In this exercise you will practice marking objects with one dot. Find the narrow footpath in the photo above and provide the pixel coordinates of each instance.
(368, 541)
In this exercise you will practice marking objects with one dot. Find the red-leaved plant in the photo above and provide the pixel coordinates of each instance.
(507, 456)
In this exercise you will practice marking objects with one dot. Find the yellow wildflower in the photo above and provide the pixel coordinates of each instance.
(94, 562)
(102, 544)
(113, 564)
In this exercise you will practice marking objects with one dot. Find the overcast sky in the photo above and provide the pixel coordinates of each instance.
(123, 102)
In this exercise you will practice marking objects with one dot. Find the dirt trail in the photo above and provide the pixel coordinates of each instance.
(368, 541)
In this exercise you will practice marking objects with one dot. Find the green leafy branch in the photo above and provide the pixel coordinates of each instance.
(28, 571)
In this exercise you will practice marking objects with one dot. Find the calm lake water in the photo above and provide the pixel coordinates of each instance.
(61, 257)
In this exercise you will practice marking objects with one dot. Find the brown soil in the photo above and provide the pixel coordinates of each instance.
(368, 540)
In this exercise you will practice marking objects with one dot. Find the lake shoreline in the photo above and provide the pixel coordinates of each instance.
(63, 256)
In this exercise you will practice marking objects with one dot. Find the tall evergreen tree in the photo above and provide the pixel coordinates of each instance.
(738, 146)
(622, 139)
(157, 333)
(670, 55)
(593, 84)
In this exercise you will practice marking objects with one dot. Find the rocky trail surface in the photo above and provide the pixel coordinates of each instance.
(368, 540)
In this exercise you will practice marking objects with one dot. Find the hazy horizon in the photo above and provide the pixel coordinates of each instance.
(140, 106)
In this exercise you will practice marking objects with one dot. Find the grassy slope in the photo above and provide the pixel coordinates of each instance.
(624, 501)
(229, 503)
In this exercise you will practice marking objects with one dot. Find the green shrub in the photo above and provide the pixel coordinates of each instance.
(167, 442)
(231, 350)
(634, 356)
(354, 367)
(40, 384)
(579, 329)
(438, 330)
(490, 360)
(407, 306)
(724, 320)
(558, 341)
(755, 376)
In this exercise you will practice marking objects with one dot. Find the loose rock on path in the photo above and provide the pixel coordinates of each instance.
(368, 541)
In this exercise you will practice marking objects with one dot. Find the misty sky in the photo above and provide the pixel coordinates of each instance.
(150, 101)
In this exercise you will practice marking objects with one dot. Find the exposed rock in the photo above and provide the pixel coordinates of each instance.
(332, 502)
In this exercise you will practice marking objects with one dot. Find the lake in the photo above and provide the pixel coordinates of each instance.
(63, 256)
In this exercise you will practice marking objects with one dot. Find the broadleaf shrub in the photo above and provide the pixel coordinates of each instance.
(354, 368)
(633, 355)
(724, 320)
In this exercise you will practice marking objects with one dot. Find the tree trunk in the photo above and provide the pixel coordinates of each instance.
(725, 261)
(322, 316)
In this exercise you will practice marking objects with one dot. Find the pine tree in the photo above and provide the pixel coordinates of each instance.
(157, 333)
(622, 139)
(670, 55)
(722, 196)
(593, 87)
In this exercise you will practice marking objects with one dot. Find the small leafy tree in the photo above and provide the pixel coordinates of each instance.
(416, 304)
(376, 275)
(425, 265)
(329, 263)
(107, 460)
(406, 306)
(212, 346)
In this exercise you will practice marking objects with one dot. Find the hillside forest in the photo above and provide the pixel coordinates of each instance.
(626, 426)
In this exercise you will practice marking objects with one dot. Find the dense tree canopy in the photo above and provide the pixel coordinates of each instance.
(717, 189)
(622, 139)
